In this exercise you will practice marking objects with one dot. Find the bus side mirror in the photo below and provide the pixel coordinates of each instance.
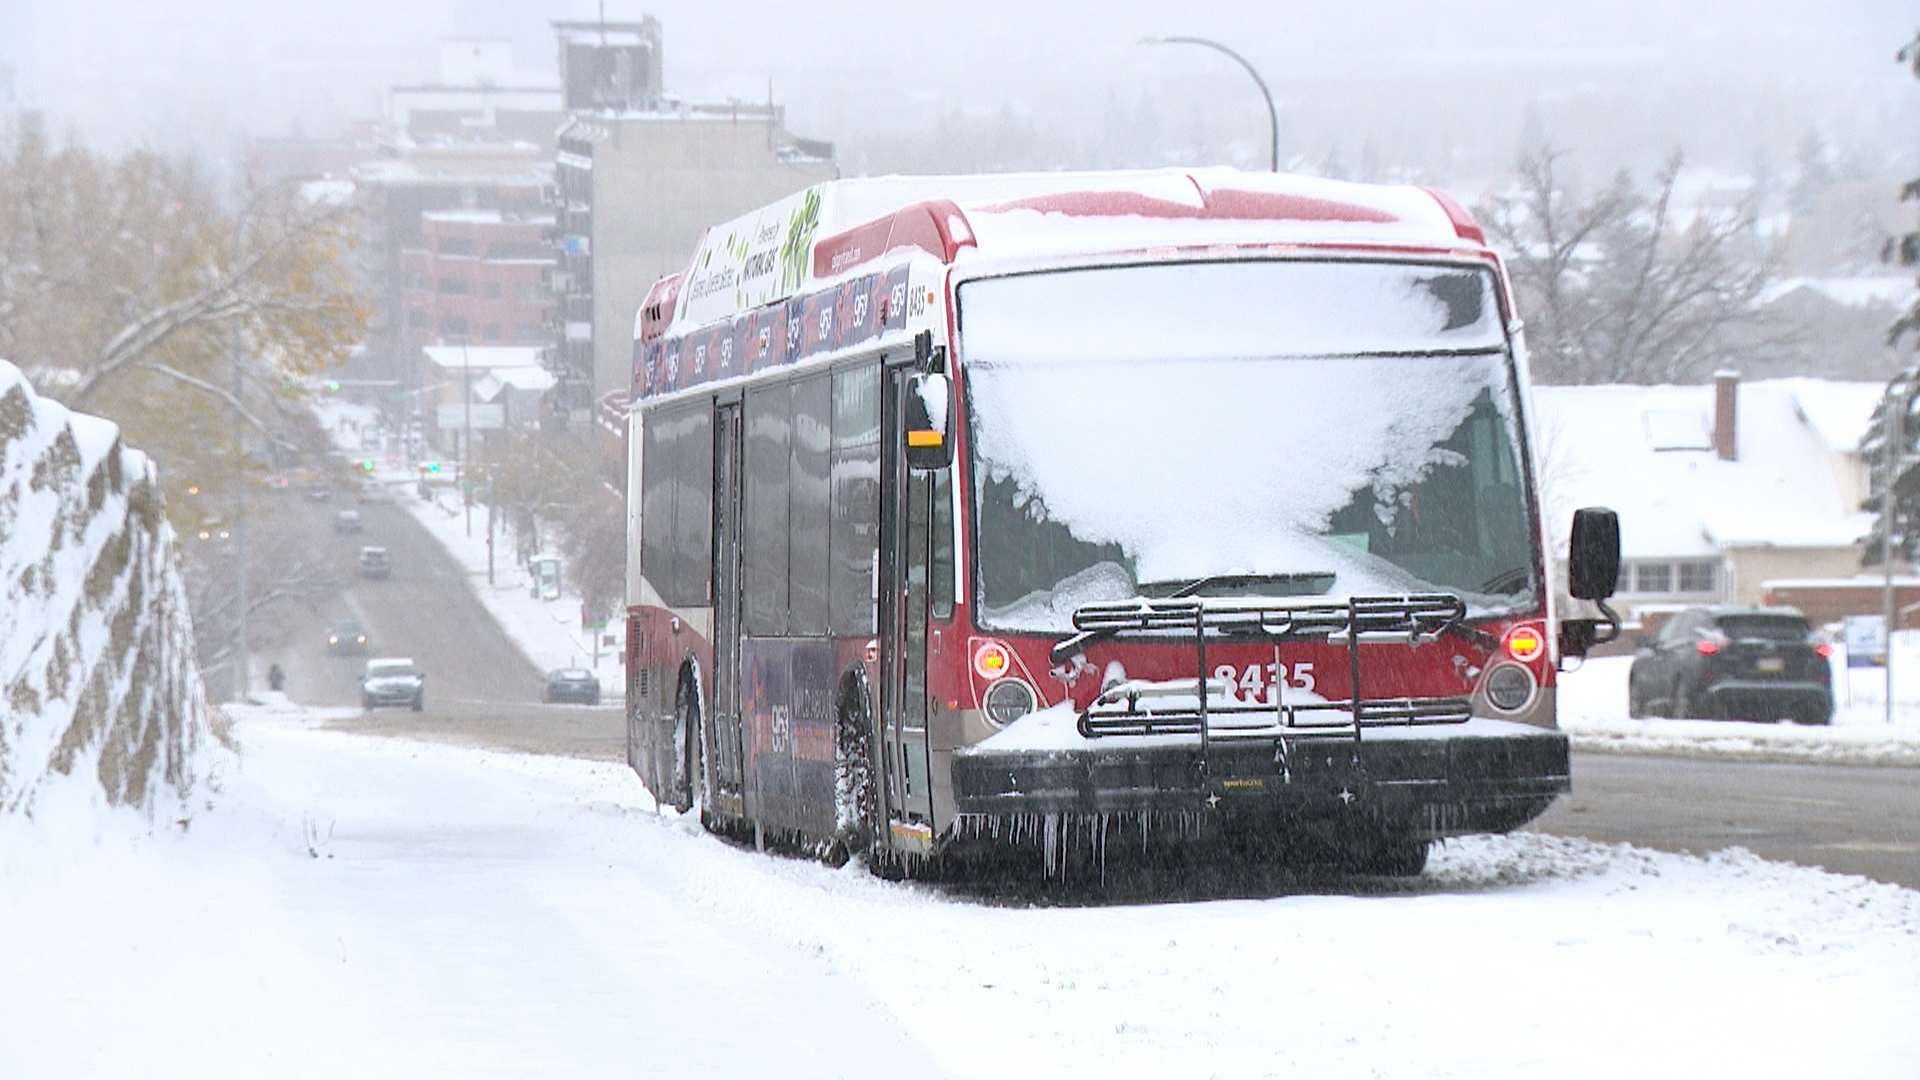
(928, 417)
(1593, 569)
(1593, 556)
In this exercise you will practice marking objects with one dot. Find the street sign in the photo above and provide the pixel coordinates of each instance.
(1866, 641)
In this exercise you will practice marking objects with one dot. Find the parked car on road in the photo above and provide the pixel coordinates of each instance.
(577, 685)
(1733, 663)
(393, 680)
(346, 638)
(375, 562)
(346, 521)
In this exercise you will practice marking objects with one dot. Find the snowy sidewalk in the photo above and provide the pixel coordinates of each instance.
(375, 907)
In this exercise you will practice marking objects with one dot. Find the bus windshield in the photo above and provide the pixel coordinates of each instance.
(1277, 428)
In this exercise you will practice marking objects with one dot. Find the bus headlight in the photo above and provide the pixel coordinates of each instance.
(1509, 687)
(1008, 700)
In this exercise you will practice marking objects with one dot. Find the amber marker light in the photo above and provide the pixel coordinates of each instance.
(1524, 643)
(991, 660)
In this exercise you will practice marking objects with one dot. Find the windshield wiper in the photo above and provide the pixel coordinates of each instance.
(1303, 583)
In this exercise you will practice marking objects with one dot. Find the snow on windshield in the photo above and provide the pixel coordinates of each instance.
(1177, 422)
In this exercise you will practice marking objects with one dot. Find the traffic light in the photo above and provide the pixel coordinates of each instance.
(333, 386)
(367, 465)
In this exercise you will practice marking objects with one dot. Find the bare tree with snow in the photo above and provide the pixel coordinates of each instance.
(1622, 286)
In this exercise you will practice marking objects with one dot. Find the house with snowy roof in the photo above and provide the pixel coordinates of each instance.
(1720, 489)
(480, 388)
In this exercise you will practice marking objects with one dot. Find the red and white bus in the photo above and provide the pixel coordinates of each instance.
(1062, 509)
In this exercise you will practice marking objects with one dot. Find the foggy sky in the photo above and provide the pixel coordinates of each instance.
(1410, 76)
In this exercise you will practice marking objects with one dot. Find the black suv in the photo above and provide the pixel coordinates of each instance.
(1739, 663)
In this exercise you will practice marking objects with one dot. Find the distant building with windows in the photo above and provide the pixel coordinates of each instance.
(478, 277)
(484, 187)
(639, 175)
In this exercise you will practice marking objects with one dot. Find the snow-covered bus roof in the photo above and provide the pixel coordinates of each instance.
(830, 267)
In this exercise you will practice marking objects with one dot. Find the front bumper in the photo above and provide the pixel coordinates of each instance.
(394, 695)
(1480, 776)
(1765, 699)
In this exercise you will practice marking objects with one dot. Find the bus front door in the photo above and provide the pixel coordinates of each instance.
(725, 770)
(906, 499)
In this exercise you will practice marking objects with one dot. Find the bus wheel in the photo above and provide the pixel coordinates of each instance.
(1399, 856)
(686, 744)
(853, 801)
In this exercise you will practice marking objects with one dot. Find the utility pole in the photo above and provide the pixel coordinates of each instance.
(1893, 433)
(466, 438)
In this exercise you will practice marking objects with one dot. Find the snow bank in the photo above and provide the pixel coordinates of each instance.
(98, 676)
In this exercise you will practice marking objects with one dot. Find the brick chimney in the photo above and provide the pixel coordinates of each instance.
(1726, 415)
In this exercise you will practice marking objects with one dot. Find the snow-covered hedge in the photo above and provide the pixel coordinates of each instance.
(98, 677)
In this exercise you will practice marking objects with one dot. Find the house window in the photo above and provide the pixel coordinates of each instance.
(453, 286)
(1625, 582)
(455, 245)
(1695, 577)
(491, 331)
(1654, 577)
(453, 326)
(492, 290)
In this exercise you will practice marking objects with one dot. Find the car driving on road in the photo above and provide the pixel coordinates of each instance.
(393, 680)
(577, 685)
(375, 562)
(345, 638)
(1739, 663)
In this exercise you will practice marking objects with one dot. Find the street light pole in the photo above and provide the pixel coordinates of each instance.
(466, 438)
(1273, 117)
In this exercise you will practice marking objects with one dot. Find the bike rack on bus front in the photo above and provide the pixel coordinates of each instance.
(1180, 707)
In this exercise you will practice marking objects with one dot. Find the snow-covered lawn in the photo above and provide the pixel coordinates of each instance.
(354, 906)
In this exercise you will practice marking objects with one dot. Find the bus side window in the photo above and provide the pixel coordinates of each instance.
(809, 493)
(769, 454)
(693, 508)
(675, 531)
(940, 587)
(657, 464)
(854, 525)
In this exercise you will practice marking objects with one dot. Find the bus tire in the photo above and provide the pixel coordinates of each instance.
(1375, 853)
(854, 806)
(686, 743)
(1399, 856)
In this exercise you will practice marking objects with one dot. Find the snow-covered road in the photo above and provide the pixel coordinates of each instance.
(360, 906)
